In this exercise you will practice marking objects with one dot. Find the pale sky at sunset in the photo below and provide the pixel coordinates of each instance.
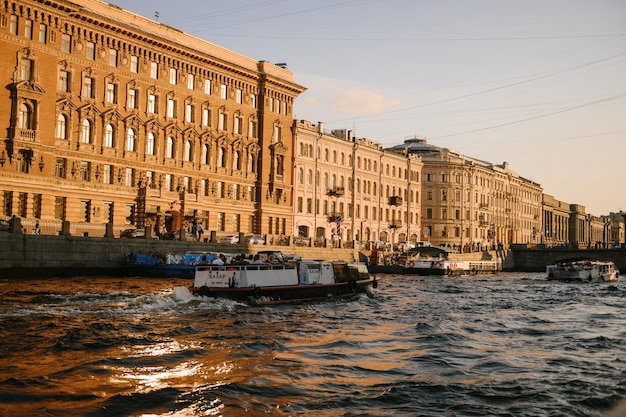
(538, 83)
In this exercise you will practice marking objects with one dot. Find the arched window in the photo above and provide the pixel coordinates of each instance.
(221, 157)
(169, 147)
(130, 140)
(236, 160)
(205, 154)
(61, 128)
(150, 144)
(25, 117)
(85, 131)
(251, 167)
(108, 136)
(188, 150)
(300, 175)
(309, 177)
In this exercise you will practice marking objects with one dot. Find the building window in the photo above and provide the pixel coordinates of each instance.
(252, 128)
(26, 70)
(61, 127)
(154, 70)
(221, 123)
(223, 92)
(168, 182)
(173, 76)
(221, 157)
(207, 87)
(13, 26)
(205, 154)
(90, 51)
(132, 98)
(28, 29)
(189, 113)
(169, 147)
(107, 176)
(150, 144)
(130, 140)
(66, 43)
(129, 177)
(152, 103)
(88, 87)
(63, 82)
(113, 57)
(220, 221)
(237, 160)
(60, 167)
(253, 101)
(205, 117)
(190, 81)
(25, 117)
(84, 171)
(108, 136)
(59, 208)
(430, 177)
(238, 96)
(188, 151)
(134, 64)
(171, 108)
(43, 31)
(85, 131)
(237, 128)
(111, 95)
(277, 137)
(429, 194)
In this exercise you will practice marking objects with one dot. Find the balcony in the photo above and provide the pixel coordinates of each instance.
(26, 135)
(395, 200)
(335, 217)
(396, 224)
(336, 192)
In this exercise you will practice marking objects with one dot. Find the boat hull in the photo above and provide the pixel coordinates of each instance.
(287, 294)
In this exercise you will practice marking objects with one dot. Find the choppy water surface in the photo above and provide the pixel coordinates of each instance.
(506, 345)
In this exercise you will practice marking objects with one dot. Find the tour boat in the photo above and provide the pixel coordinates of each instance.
(286, 282)
(451, 267)
(584, 270)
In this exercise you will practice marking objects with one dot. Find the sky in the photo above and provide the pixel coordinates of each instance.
(540, 84)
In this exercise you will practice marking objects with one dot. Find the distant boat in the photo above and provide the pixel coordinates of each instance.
(583, 270)
(452, 267)
(167, 265)
(432, 260)
(279, 283)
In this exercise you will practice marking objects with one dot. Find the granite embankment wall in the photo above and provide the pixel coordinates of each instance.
(23, 255)
(535, 260)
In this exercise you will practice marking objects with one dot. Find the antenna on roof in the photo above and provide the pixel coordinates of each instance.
(156, 15)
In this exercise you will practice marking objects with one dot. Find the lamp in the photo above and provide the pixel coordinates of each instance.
(41, 163)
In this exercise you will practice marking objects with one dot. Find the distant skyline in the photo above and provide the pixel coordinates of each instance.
(539, 84)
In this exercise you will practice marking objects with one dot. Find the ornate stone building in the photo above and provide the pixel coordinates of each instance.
(352, 189)
(109, 117)
(555, 230)
(467, 202)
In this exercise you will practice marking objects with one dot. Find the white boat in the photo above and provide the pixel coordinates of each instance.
(586, 270)
(288, 282)
(452, 267)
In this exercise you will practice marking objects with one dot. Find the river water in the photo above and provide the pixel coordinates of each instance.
(507, 345)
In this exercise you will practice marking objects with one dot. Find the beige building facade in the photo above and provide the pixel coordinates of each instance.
(469, 204)
(111, 118)
(350, 189)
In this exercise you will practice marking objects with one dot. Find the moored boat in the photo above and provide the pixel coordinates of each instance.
(583, 270)
(452, 267)
(167, 265)
(278, 283)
